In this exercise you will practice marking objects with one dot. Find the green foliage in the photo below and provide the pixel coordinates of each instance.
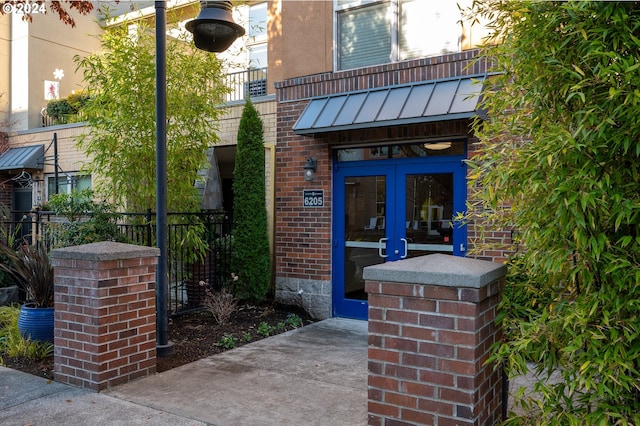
(228, 341)
(13, 344)
(89, 221)
(559, 162)
(31, 269)
(251, 255)
(265, 330)
(121, 114)
(9, 234)
(294, 321)
(524, 297)
(60, 110)
(69, 109)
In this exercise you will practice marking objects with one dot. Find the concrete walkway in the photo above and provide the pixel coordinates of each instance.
(316, 375)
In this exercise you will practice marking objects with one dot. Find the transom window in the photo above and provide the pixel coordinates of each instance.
(370, 32)
(67, 183)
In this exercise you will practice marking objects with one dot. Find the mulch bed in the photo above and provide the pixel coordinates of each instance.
(196, 335)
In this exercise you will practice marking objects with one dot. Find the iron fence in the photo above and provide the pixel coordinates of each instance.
(187, 278)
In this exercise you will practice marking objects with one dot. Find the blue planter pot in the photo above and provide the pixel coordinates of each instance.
(36, 323)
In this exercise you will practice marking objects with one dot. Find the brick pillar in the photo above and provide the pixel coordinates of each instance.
(431, 326)
(105, 314)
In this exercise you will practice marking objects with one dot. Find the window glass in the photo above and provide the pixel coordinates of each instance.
(428, 27)
(373, 33)
(258, 20)
(67, 183)
(423, 149)
(364, 36)
(258, 56)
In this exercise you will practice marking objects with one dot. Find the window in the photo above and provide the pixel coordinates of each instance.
(257, 31)
(256, 85)
(67, 183)
(258, 56)
(379, 32)
(258, 20)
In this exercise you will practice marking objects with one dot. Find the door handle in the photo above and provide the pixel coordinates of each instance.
(380, 253)
(406, 247)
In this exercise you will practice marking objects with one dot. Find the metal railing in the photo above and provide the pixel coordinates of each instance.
(251, 83)
(187, 279)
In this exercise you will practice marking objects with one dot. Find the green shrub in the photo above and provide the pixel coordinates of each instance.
(265, 330)
(524, 297)
(78, 100)
(88, 221)
(294, 321)
(69, 109)
(558, 160)
(251, 255)
(13, 344)
(60, 110)
(228, 341)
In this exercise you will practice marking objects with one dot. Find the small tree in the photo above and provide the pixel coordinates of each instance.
(121, 112)
(250, 257)
(560, 149)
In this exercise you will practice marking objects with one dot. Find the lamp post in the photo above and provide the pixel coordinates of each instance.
(214, 31)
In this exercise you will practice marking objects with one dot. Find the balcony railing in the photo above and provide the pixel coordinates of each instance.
(251, 83)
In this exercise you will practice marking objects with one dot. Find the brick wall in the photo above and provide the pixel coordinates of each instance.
(431, 326)
(105, 314)
(497, 244)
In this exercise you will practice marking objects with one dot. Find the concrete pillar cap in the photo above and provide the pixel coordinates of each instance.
(438, 269)
(104, 250)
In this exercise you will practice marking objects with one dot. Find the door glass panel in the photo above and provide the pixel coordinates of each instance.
(429, 214)
(365, 227)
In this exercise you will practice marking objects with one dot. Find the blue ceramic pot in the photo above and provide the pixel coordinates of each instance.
(36, 323)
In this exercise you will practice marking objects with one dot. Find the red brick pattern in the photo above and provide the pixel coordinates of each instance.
(105, 321)
(497, 244)
(427, 351)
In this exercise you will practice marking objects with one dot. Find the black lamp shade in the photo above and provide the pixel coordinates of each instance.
(214, 29)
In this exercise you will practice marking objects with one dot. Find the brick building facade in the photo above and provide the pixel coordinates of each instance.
(306, 239)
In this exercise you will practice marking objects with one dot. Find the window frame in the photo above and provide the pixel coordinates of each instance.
(70, 179)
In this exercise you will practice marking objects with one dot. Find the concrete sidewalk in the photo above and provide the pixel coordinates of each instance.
(315, 375)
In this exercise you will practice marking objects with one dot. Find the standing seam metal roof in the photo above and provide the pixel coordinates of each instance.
(391, 106)
(25, 157)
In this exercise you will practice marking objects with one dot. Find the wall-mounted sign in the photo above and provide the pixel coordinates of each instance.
(51, 90)
(313, 197)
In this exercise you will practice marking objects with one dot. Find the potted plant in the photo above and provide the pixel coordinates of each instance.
(31, 269)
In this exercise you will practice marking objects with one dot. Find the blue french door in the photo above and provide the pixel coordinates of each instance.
(392, 209)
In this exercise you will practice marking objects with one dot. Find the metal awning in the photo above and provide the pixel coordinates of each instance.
(422, 102)
(24, 157)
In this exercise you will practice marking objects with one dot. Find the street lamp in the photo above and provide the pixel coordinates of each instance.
(213, 31)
